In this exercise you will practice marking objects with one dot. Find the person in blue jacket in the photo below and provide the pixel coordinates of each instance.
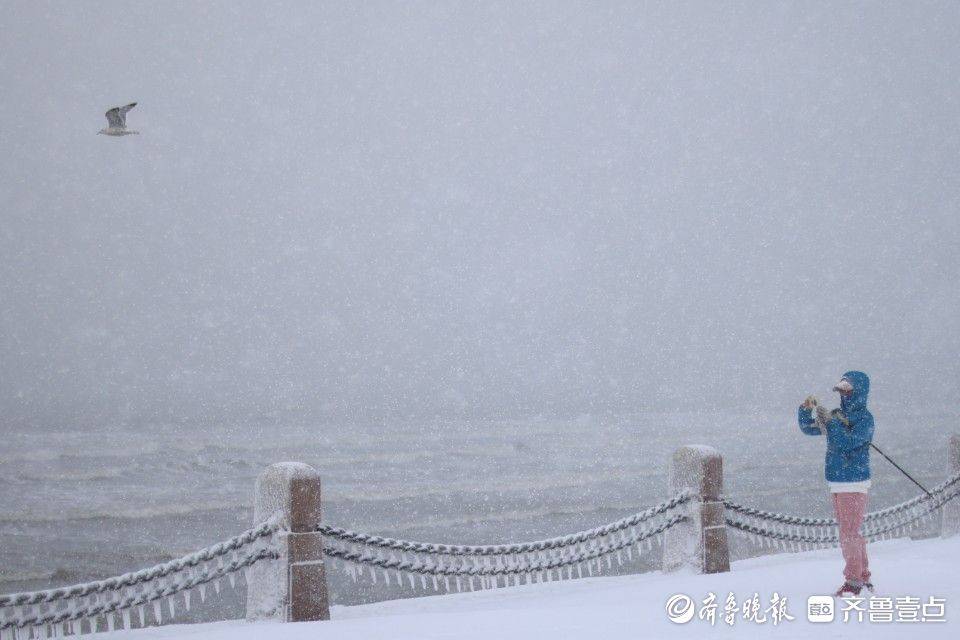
(849, 431)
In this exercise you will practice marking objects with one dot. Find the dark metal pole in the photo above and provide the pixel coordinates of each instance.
(901, 469)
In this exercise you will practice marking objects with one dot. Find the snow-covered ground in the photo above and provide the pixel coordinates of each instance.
(634, 606)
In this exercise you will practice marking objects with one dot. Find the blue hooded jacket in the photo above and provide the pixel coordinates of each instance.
(849, 433)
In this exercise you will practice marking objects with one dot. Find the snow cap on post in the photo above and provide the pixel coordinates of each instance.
(291, 489)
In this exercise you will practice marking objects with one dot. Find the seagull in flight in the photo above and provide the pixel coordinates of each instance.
(117, 121)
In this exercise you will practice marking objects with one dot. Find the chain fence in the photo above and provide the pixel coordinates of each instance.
(794, 533)
(450, 567)
(140, 596)
(94, 606)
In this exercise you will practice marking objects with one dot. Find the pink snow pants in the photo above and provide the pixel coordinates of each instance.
(850, 508)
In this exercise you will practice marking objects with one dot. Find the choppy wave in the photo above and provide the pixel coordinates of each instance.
(122, 512)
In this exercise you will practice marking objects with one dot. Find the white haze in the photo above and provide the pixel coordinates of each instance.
(474, 209)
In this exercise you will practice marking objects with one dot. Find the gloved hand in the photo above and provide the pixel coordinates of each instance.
(823, 416)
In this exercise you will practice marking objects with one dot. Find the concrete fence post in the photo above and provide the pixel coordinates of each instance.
(293, 588)
(950, 512)
(701, 541)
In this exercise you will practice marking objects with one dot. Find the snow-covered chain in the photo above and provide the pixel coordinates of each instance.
(562, 557)
(126, 600)
(213, 552)
(59, 610)
(56, 612)
(521, 564)
(831, 522)
(788, 532)
(345, 535)
(828, 522)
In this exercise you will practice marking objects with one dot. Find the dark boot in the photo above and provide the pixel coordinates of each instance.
(849, 589)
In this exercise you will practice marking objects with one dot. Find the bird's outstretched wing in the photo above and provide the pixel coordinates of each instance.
(114, 119)
(117, 117)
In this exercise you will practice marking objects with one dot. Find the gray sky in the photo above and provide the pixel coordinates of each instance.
(381, 209)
